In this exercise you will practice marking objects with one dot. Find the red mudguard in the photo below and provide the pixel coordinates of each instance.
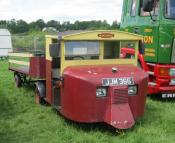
(121, 116)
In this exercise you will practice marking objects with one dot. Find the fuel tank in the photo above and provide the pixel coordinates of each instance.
(80, 100)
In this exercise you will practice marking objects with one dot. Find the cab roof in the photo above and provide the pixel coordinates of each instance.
(97, 35)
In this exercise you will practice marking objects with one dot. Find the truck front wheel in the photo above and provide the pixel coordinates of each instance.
(38, 98)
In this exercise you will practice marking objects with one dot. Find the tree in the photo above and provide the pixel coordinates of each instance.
(12, 25)
(21, 26)
(37, 25)
(3, 24)
(54, 24)
(115, 25)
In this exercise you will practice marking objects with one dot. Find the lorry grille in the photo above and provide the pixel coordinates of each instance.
(173, 53)
(120, 96)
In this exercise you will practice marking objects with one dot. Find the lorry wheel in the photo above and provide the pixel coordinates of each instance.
(18, 80)
(38, 98)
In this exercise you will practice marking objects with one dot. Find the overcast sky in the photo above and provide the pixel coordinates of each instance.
(61, 10)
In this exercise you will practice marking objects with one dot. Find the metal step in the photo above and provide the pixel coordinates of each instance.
(150, 64)
(150, 73)
(58, 108)
(152, 83)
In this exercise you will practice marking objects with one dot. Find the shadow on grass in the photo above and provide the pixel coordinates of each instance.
(92, 127)
(29, 86)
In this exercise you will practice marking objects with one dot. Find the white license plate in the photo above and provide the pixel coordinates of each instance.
(168, 95)
(117, 81)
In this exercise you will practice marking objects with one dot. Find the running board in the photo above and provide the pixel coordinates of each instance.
(150, 64)
(150, 73)
(152, 83)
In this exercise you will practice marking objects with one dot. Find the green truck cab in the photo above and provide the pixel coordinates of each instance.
(155, 20)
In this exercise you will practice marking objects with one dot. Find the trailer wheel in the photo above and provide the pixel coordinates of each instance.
(38, 98)
(18, 80)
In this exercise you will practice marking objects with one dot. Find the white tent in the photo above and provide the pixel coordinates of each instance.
(5, 42)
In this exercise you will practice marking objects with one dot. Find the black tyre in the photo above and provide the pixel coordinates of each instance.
(38, 98)
(18, 80)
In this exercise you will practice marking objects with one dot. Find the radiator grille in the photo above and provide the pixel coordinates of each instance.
(173, 53)
(120, 96)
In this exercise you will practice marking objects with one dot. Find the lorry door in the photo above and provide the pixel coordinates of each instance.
(139, 22)
(167, 32)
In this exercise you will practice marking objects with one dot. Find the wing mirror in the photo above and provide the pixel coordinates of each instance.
(141, 48)
(148, 5)
(54, 50)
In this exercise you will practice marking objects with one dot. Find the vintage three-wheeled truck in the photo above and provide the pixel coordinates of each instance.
(84, 76)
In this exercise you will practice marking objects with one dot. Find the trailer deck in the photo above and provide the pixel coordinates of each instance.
(26, 65)
(21, 69)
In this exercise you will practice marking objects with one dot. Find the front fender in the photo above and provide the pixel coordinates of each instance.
(41, 88)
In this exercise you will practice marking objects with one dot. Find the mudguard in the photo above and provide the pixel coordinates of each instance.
(41, 88)
(121, 116)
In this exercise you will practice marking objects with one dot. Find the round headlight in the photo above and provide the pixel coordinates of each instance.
(172, 72)
(132, 90)
(101, 92)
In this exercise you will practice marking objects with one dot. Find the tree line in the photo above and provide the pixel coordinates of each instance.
(21, 26)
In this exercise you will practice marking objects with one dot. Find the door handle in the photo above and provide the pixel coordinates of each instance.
(136, 30)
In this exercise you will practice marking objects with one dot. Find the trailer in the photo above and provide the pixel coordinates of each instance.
(83, 75)
(5, 43)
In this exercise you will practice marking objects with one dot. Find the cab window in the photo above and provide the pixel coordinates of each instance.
(170, 9)
(116, 50)
(155, 10)
(82, 50)
(111, 50)
(133, 8)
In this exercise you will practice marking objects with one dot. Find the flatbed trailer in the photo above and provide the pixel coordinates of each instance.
(34, 68)
(83, 76)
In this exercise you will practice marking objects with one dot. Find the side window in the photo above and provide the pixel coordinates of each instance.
(133, 8)
(154, 12)
(111, 50)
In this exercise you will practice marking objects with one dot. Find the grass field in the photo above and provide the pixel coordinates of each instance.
(22, 121)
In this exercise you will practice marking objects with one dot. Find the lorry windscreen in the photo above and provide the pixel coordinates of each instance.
(170, 9)
(82, 50)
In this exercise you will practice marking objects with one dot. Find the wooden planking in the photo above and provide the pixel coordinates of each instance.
(24, 55)
(19, 62)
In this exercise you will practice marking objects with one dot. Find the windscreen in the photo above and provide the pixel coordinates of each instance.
(82, 50)
(89, 50)
(170, 9)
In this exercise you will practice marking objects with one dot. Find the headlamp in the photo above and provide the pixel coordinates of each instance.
(101, 92)
(132, 90)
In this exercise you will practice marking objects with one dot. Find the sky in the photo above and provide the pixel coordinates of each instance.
(61, 10)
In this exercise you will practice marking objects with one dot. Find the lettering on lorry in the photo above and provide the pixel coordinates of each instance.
(106, 35)
(148, 30)
(148, 39)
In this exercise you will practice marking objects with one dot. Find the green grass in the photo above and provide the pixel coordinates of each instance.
(22, 121)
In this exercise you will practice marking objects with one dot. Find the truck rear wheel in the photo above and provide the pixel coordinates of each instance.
(38, 98)
(18, 80)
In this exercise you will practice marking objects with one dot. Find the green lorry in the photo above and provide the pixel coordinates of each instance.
(155, 20)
